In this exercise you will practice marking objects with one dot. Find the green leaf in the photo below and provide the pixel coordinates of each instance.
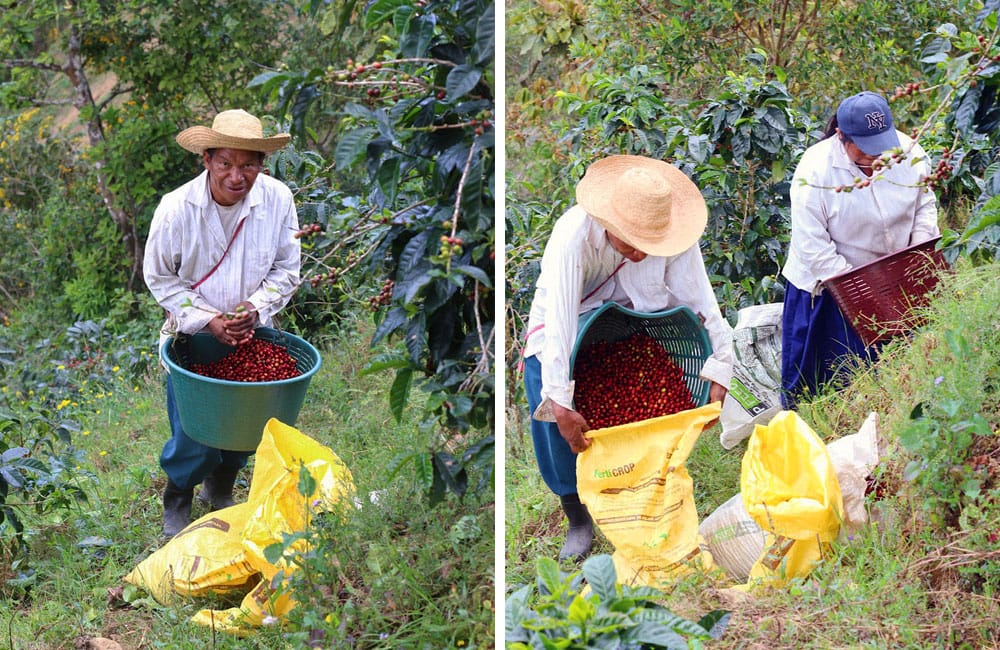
(385, 361)
(399, 394)
(274, 552)
(417, 35)
(382, 10)
(450, 473)
(482, 51)
(394, 319)
(387, 179)
(461, 80)
(599, 570)
(656, 635)
(307, 484)
(914, 438)
(550, 577)
(580, 610)
(12, 476)
(913, 470)
(424, 470)
(352, 145)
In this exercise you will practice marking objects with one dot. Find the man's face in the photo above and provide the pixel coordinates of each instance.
(630, 252)
(231, 173)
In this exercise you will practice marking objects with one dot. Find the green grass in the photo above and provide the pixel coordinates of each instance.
(394, 575)
(914, 579)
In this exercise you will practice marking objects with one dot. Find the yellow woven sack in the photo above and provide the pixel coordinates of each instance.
(279, 508)
(224, 550)
(205, 557)
(790, 489)
(275, 491)
(638, 491)
(258, 604)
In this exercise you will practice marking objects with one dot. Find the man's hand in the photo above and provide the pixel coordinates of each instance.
(572, 426)
(716, 393)
(235, 328)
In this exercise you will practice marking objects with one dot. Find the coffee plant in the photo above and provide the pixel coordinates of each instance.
(942, 436)
(963, 79)
(557, 612)
(418, 131)
(739, 147)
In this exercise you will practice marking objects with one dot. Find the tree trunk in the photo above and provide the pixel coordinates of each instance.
(83, 98)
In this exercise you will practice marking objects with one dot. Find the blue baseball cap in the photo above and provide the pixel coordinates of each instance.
(866, 120)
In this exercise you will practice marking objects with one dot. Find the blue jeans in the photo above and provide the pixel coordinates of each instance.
(187, 462)
(556, 460)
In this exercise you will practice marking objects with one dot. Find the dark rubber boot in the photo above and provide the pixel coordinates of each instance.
(580, 536)
(217, 488)
(176, 509)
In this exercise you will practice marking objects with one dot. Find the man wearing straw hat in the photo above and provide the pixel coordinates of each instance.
(631, 238)
(221, 257)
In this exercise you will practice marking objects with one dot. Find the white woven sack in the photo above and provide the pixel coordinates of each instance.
(733, 538)
(754, 395)
(854, 457)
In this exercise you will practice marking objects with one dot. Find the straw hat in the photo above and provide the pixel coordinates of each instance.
(235, 129)
(650, 204)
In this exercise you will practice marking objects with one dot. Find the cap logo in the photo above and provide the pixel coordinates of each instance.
(876, 121)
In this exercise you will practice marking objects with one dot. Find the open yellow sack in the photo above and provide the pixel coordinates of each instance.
(224, 550)
(206, 557)
(634, 482)
(790, 488)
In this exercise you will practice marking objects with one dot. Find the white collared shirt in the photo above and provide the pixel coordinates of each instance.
(577, 259)
(833, 232)
(187, 238)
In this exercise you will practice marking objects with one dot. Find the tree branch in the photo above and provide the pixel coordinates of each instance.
(30, 63)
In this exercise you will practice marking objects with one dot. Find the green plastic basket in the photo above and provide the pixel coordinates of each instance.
(678, 330)
(232, 414)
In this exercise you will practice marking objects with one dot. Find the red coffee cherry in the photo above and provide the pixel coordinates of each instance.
(630, 380)
(255, 361)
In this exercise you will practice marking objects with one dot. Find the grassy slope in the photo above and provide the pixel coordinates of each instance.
(898, 583)
(407, 587)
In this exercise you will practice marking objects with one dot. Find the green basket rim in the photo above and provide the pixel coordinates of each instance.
(174, 367)
(589, 317)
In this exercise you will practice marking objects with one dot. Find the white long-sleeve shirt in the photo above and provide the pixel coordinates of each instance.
(187, 238)
(833, 232)
(577, 259)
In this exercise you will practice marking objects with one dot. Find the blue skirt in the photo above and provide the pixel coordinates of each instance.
(818, 345)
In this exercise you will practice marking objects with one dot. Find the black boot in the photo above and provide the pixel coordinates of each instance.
(176, 509)
(217, 488)
(580, 536)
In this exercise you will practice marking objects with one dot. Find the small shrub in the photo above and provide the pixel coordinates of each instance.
(566, 615)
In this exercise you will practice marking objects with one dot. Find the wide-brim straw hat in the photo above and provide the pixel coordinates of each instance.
(234, 129)
(650, 204)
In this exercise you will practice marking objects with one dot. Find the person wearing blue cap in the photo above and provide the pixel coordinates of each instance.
(856, 195)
